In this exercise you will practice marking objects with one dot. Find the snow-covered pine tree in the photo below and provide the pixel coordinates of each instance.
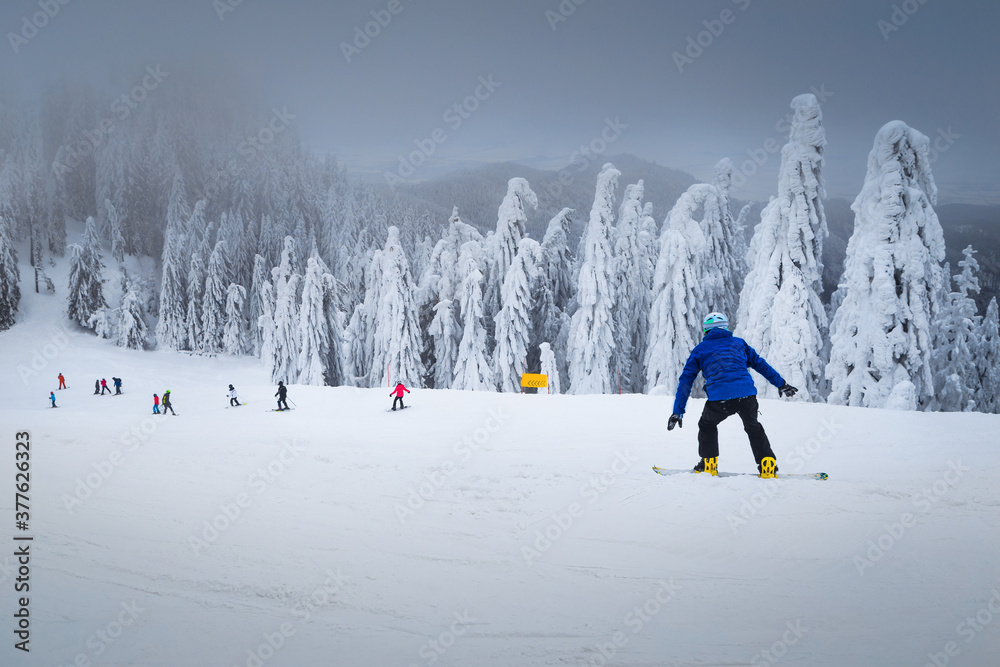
(265, 323)
(86, 286)
(727, 243)
(257, 298)
(958, 328)
(115, 231)
(882, 332)
(631, 306)
(285, 358)
(445, 331)
(10, 275)
(213, 305)
(558, 271)
(679, 301)
(549, 367)
(780, 311)
(591, 339)
(171, 327)
(234, 340)
(335, 372)
(472, 370)
(513, 322)
(988, 360)
(314, 349)
(511, 219)
(132, 330)
(360, 330)
(195, 295)
(395, 332)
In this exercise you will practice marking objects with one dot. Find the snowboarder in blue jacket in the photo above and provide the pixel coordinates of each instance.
(724, 359)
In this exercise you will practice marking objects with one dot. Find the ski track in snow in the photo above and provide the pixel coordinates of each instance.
(734, 560)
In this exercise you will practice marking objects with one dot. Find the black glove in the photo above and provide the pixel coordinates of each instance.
(675, 420)
(787, 390)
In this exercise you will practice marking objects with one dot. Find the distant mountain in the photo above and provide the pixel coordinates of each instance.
(478, 192)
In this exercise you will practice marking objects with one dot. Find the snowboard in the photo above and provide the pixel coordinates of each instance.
(402, 408)
(781, 475)
(277, 410)
(236, 406)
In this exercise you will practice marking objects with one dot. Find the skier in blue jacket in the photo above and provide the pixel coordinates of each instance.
(724, 359)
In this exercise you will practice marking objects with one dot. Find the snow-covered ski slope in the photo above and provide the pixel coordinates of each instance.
(480, 528)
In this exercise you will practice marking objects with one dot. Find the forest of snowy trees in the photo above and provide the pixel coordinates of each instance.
(265, 250)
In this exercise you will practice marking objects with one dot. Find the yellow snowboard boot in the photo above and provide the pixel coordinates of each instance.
(768, 468)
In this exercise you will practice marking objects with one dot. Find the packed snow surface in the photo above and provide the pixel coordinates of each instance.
(478, 528)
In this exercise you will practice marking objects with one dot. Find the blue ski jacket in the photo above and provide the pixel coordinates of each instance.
(723, 359)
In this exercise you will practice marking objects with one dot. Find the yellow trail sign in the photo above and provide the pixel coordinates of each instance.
(534, 380)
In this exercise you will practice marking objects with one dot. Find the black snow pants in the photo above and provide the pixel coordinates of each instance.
(398, 399)
(717, 411)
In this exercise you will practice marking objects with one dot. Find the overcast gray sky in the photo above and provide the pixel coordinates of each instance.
(558, 71)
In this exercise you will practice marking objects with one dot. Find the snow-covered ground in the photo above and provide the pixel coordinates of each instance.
(478, 528)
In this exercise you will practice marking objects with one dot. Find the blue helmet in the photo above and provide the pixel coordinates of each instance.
(714, 321)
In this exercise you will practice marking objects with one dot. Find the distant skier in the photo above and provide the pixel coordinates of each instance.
(167, 405)
(62, 381)
(233, 401)
(118, 385)
(156, 404)
(281, 394)
(104, 387)
(97, 387)
(398, 393)
(52, 397)
(724, 359)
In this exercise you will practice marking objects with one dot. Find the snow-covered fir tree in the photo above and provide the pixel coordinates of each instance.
(115, 231)
(472, 370)
(446, 332)
(258, 295)
(513, 322)
(511, 219)
(132, 330)
(10, 275)
(395, 333)
(234, 333)
(958, 326)
(195, 295)
(86, 285)
(171, 327)
(630, 275)
(314, 350)
(727, 244)
(335, 371)
(549, 367)
(213, 305)
(780, 312)
(988, 360)
(591, 339)
(285, 341)
(882, 332)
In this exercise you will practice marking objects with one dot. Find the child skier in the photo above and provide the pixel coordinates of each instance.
(398, 392)
(156, 404)
(118, 385)
(724, 359)
(52, 397)
(62, 381)
(281, 394)
(233, 401)
(166, 403)
(97, 387)
(104, 387)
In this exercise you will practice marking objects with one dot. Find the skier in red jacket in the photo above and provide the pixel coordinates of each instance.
(398, 393)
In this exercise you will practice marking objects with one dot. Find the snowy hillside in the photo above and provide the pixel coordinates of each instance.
(477, 528)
